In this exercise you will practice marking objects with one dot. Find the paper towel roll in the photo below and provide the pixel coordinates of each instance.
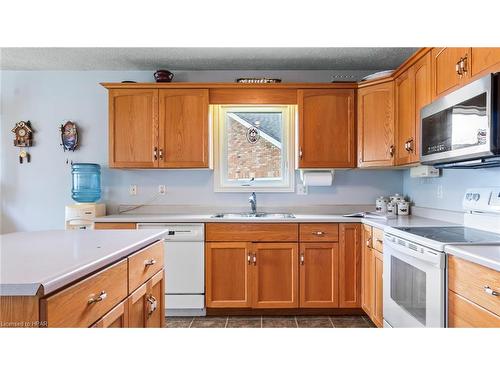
(318, 178)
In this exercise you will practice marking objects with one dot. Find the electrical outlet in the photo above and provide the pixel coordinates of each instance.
(132, 190)
(162, 190)
(301, 189)
(440, 191)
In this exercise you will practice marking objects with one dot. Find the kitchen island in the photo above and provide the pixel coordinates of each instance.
(76, 278)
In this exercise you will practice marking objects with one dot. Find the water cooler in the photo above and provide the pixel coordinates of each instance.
(86, 191)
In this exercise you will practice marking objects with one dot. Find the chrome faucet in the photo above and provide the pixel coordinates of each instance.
(253, 202)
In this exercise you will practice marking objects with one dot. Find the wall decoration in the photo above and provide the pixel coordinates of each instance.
(253, 135)
(69, 136)
(163, 75)
(258, 80)
(24, 138)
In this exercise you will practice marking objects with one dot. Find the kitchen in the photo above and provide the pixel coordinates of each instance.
(301, 196)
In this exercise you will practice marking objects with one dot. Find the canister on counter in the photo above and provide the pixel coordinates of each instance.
(381, 204)
(403, 208)
(392, 210)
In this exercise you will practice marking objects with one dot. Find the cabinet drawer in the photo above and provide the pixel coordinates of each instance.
(249, 232)
(463, 313)
(319, 232)
(116, 318)
(72, 307)
(144, 264)
(470, 280)
(378, 239)
(115, 226)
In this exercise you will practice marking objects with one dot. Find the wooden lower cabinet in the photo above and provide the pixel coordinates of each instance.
(227, 277)
(350, 265)
(116, 318)
(372, 268)
(275, 275)
(319, 270)
(145, 305)
(378, 267)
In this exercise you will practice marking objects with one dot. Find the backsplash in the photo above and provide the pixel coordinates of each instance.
(446, 192)
(33, 195)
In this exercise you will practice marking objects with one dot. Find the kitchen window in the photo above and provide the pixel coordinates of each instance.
(253, 147)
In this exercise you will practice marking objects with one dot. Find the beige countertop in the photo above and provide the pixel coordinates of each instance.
(38, 263)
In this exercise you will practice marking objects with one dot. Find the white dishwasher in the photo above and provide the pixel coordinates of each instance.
(184, 268)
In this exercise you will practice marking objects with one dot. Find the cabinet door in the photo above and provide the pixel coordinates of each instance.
(326, 128)
(133, 128)
(405, 116)
(227, 278)
(423, 96)
(116, 318)
(350, 265)
(319, 274)
(183, 128)
(146, 306)
(275, 275)
(367, 276)
(376, 125)
(377, 312)
(484, 60)
(445, 77)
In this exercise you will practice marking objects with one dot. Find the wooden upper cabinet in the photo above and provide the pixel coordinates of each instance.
(445, 77)
(183, 140)
(319, 274)
(423, 96)
(227, 276)
(133, 128)
(484, 60)
(376, 125)
(275, 275)
(326, 128)
(405, 116)
(350, 265)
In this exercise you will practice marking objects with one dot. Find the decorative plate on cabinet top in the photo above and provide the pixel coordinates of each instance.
(382, 74)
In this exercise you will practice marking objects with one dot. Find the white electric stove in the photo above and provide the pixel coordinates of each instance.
(415, 263)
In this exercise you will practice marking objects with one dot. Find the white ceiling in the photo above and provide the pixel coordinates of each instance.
(356, 58)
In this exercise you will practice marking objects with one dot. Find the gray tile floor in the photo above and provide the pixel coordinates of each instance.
(270, 322)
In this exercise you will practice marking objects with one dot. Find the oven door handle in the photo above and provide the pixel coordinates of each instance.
(428, 255)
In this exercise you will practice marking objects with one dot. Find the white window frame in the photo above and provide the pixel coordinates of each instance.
(218, 114)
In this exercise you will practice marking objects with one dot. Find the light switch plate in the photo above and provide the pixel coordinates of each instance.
(302, 189)
(132, 190)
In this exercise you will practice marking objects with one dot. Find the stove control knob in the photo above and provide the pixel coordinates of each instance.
(476, 196)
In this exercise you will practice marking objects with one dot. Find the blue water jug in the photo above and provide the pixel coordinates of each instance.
(86, 182)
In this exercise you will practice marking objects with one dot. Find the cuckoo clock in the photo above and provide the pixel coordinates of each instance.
(24, 134)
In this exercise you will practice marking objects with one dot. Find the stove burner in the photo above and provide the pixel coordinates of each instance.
(452, 234)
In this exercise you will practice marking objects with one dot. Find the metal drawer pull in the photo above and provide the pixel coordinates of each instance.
(153, 304)
(161, 154)
(368, 241)
(491, 292)
(102, 296)
(149, 262)
(379, 240)
(155, 153)
(318, 233)
(302, 259)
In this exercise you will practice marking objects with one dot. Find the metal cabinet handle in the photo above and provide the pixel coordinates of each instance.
(368, 241)
(410, 145)
(254, 259)
(161, 153)
(491, 292)
(302, 259)
(379, 240)
(102, 296)
(391, 151)
(458, 69)
(153, 304)
(249, 259)
(463, 64)
(155, 153)
(149, 262)
(300, 153)
(319, 233)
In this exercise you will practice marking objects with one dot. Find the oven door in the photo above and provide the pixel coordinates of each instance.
(414, 286)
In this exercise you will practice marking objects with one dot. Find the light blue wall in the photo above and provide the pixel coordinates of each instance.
(33, 195)
(424, 191)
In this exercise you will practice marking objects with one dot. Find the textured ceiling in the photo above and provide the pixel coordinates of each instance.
(357, 58)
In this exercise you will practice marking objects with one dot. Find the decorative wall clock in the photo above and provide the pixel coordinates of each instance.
(24, 138)
(69, 136)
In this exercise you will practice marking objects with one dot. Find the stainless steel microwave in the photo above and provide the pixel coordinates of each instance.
(461, 130)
